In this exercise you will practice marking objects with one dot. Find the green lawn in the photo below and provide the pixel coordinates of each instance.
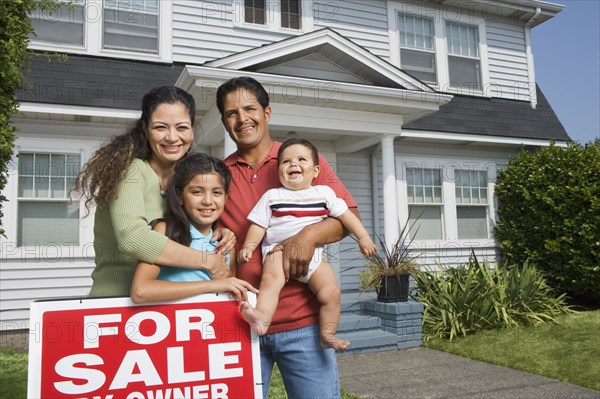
(568, 352)
(13, 378)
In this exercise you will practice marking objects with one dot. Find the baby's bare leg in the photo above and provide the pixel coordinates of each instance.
(323, 284)
(271, 283)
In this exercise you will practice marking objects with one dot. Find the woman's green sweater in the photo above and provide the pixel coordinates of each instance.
(122, 232)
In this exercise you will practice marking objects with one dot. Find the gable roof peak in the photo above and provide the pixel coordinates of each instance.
(330, 46)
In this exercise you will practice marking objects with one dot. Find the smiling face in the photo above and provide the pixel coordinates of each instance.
(245, 119)
(170, 133)
(297, 168)
(203, 200)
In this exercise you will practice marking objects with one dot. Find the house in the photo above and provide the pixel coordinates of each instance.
(415, 104)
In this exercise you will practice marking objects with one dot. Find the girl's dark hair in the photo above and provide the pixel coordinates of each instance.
(296, 140)
(242, 82)
(98, 180)
(178, 223)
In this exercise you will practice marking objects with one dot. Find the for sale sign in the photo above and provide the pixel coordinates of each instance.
(109, 348)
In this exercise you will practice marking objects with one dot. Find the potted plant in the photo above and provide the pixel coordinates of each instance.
(388, 273)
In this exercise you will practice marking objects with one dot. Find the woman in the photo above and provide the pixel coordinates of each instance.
(126, 179)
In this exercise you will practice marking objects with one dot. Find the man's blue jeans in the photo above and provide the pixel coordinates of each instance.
(308, 371)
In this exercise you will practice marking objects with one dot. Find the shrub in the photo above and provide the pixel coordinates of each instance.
(549, 212)
(459, 301)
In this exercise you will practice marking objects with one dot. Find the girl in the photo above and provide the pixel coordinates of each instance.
(195, 200)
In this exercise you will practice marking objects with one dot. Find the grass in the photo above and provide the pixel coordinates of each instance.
(569, 351)
(13, 378)
(13, 374)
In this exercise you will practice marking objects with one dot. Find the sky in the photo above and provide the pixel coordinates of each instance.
(566, 55)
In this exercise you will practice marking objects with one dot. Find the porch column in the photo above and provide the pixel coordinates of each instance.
(390, 207)
(229, 146)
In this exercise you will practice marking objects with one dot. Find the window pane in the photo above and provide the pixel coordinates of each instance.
(419, 64)
(427, 222)
(472, 222)
(290, 14)
(254, 11)
(64, 26)
(464, 72)
(43, 176)
(471, 186)
(131, 25)
(415, 31)
(426, 183)
(43, 223)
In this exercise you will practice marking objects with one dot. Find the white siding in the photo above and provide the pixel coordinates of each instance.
(29, 280)
(507, 60)
(363, 22)
(354, 170)
(206, 30)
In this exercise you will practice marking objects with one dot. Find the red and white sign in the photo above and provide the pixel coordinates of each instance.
(109, 348)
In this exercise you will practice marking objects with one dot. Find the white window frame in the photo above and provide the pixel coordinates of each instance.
(449, 214)
(427, 51)
(10, 222)
(438, 205)
(93, 36)
(485, 205)
(273, 17)
(441, 15)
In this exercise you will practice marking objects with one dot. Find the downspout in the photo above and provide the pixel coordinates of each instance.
(529, 54)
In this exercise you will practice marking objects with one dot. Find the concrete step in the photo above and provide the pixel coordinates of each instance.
(351, 322)
(374, 340)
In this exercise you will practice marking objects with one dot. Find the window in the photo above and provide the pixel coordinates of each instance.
(115, 28)
(425, 202)
(65, 25)
(445, 47)
(471, 203)
(254, 11)
(290, 14)
(417, 52)
(274, 15)
(463, 56)
(131, 25)
(45, 215)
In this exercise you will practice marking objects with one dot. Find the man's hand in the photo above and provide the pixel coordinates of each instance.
(297, 253)
(226, 240)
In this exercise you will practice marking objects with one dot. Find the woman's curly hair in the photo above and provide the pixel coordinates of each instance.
(100, 177)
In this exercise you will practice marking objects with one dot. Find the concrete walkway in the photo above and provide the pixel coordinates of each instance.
(422, 373)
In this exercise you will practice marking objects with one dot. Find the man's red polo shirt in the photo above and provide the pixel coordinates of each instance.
(298, 307)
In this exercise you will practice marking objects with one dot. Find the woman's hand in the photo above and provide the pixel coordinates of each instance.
(238, 288)
(216, 265)
(226, 240)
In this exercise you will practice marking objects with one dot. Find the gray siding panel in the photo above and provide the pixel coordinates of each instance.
(507, 59)
(354, 170)
(24, 282)
(363, 22)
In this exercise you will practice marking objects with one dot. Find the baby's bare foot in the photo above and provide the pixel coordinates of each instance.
(332, 341)
(256, 319)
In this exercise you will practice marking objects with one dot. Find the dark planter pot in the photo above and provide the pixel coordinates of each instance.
(393, 289)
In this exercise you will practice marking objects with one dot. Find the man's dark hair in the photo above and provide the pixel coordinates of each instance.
(242, 82)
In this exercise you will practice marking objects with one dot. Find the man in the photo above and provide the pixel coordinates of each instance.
(308, 371)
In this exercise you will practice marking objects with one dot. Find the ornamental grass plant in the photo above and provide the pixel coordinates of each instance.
(462, 300)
